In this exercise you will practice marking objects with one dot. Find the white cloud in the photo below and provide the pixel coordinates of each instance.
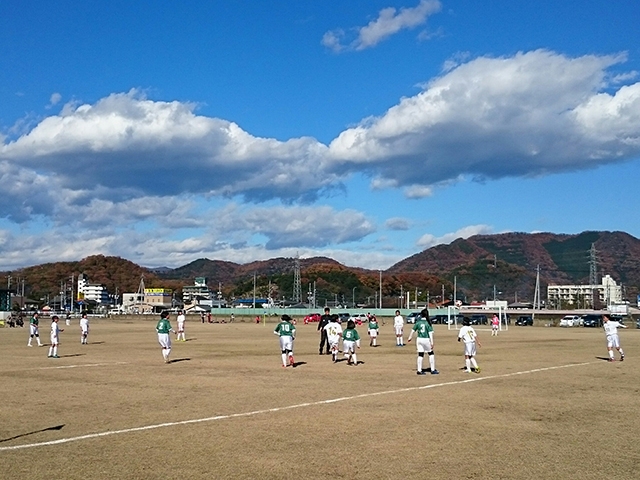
(54, 99)
(389, 22)
(418, 191)
(398, 223)
(531, 114)
(428, 240)
(125, 141)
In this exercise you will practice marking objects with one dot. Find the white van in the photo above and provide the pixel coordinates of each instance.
(570, 321)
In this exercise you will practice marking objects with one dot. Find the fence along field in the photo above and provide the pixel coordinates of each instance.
(546, 405)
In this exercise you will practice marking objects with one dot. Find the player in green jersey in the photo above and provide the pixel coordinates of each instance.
(287, 333)
(164, 328)
(350, 341)
(424, 342)
(34, 329)
(373, 331)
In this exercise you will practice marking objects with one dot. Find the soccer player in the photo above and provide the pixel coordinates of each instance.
(373, 331)
(164, 328)
(84, 329)
(611, 331)
(334, 333)
(398, 325)
(181, 319)
(424, 342)
(34, 329)
(350, 340)
(287, 333)
(55, 340)
(468, 335)
(495, 324)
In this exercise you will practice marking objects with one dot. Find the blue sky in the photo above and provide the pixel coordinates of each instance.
(365, 131)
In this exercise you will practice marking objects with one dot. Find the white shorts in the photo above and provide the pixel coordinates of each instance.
(398, 330)
(180, 327)
(286, 343)
(334, 342)
(348, 346)
(613, 341)
(373, 333)
(164, 340)
(33, 330)
(494, 327)
(423, 345)
(55, 340)
(470, 349)
(85, 330)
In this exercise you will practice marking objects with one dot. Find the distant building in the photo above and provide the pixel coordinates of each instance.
(94, 292)
(158, 298)
(200, 295)
(581, 296)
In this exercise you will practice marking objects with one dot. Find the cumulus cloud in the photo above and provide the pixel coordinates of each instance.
(125, 141)
(531, 114)
(389, 22)
(428, 240)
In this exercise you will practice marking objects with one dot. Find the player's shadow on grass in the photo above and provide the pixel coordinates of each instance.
(179, 360)
(96, 343)
(297, 364)
(190, 339)
(57, 427)
(603, 358)
(73, 355)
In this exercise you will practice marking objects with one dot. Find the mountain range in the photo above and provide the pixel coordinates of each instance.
(481, 267)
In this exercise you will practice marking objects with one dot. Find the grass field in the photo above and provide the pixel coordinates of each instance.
(546, 405)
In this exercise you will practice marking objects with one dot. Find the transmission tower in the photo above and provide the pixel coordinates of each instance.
(297, 285)
(593, 265)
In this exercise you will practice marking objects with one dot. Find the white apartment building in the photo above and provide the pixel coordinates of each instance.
(92, 291)
(581, 296)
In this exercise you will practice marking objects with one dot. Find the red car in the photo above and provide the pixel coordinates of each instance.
(312, 317)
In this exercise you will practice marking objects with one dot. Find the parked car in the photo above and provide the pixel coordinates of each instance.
(590, 320)
(312, 317)
(570, 321)
(412, 317)
(479, 319)
(344, 316)
(359, 318)
(525, 320)
(638, 323)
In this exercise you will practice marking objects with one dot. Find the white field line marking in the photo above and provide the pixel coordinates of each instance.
(80, 365)
(280, 409)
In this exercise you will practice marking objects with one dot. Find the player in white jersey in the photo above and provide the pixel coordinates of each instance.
(84, 329)
(55, 341)
(334, 334)
(468, 335)
(181, 319)
(398, 326)
(613, 341)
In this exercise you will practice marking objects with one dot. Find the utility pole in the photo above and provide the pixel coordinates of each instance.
(380, 297)
(536, 293)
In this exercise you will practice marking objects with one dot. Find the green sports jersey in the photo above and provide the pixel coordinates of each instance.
(285, 329)
(34, 321)
(423, 328)
(350, 334)
(163, 326)
(373, 325)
